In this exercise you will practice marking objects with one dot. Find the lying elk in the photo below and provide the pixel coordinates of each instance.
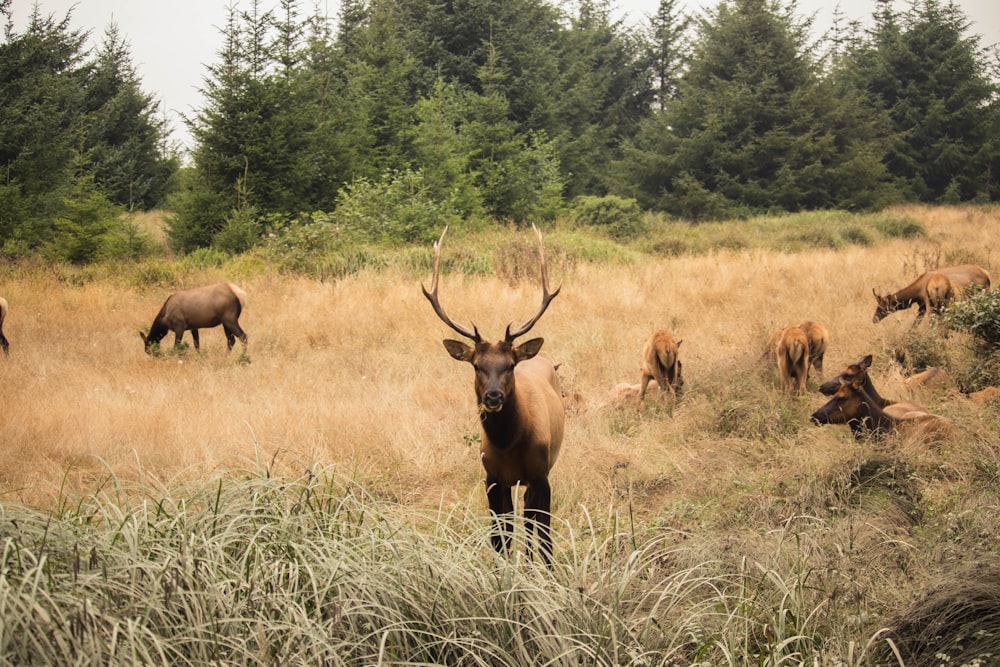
(521, 411)
(859, 371)
(3, 315)
(852, 406)
(932, 291)
(200, 308)
(660, 362)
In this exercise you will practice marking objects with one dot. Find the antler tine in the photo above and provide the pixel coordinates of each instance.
(546, 295)
(432, 296)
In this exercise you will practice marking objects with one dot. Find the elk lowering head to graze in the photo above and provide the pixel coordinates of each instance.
(3, 315)
(932, 291)
(850, 405)
(521, 411)
(661, 362)
(200, 308)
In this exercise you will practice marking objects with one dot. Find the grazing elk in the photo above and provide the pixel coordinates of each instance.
(852, 406)
(200, 308)
(3, 315)
(521, 413)
(661, 362)
(932, 290)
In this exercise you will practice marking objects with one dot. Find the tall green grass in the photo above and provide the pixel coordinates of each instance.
(255, 569)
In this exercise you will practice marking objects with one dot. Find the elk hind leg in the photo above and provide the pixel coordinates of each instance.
(502, 511)
(537, 503)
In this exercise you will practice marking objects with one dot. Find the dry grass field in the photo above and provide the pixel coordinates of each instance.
(352, 375)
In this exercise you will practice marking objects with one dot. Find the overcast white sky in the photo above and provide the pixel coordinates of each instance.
(172, 42)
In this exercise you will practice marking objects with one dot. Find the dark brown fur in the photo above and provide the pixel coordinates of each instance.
(522, 416)
(200, 308)
(850, 405)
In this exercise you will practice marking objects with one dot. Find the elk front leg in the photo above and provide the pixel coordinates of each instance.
(537, 503)
(197, 343)
(502, 512)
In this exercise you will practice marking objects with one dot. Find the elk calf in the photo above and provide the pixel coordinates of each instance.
(792, 352)
(817, 337)
(521, 413)
(661, 362)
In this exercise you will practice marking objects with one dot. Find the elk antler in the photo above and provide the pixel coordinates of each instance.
(546, 295)
(432, 296)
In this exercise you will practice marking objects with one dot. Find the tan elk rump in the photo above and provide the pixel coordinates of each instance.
(200, 308)
(932, 290)
(661, 362)
(521, 413)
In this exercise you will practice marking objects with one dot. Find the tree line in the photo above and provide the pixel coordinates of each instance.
(398, 116)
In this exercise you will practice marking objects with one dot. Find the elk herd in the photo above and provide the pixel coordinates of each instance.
(520, 402)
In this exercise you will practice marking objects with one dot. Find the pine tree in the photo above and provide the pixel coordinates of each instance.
(753, 128)
(41, 85)
(126, 139)
(931, 79)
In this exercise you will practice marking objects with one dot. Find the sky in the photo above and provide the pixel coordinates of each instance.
(173, 42)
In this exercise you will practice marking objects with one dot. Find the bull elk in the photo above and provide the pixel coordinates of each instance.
(521, 414)
(200, 308)
(661, 362)
(3, 315)
(932, 291)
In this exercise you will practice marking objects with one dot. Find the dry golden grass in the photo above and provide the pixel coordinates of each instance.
(353, 374)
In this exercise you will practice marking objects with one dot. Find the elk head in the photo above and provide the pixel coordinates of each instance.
(494, 362)
(884, 306)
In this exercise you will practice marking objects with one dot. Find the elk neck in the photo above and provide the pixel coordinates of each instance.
(503, 427)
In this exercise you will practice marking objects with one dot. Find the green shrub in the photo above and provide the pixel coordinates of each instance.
(620, 218)
(979, 315)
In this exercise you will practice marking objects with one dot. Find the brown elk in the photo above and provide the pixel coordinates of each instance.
(932, 290)
(850, 405)
(521, 414)
(859, 370)
(3, 315)
(789, 346)
(200, 308)
(818, 338)
(815, 335)
(660, 361)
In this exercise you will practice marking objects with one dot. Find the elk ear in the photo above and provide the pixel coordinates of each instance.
(142, 336)
(679, 342)
(865, 362)
(458, 350)
(528, 349)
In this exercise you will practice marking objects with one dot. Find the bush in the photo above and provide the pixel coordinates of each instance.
(979, 315)
(620, 218)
